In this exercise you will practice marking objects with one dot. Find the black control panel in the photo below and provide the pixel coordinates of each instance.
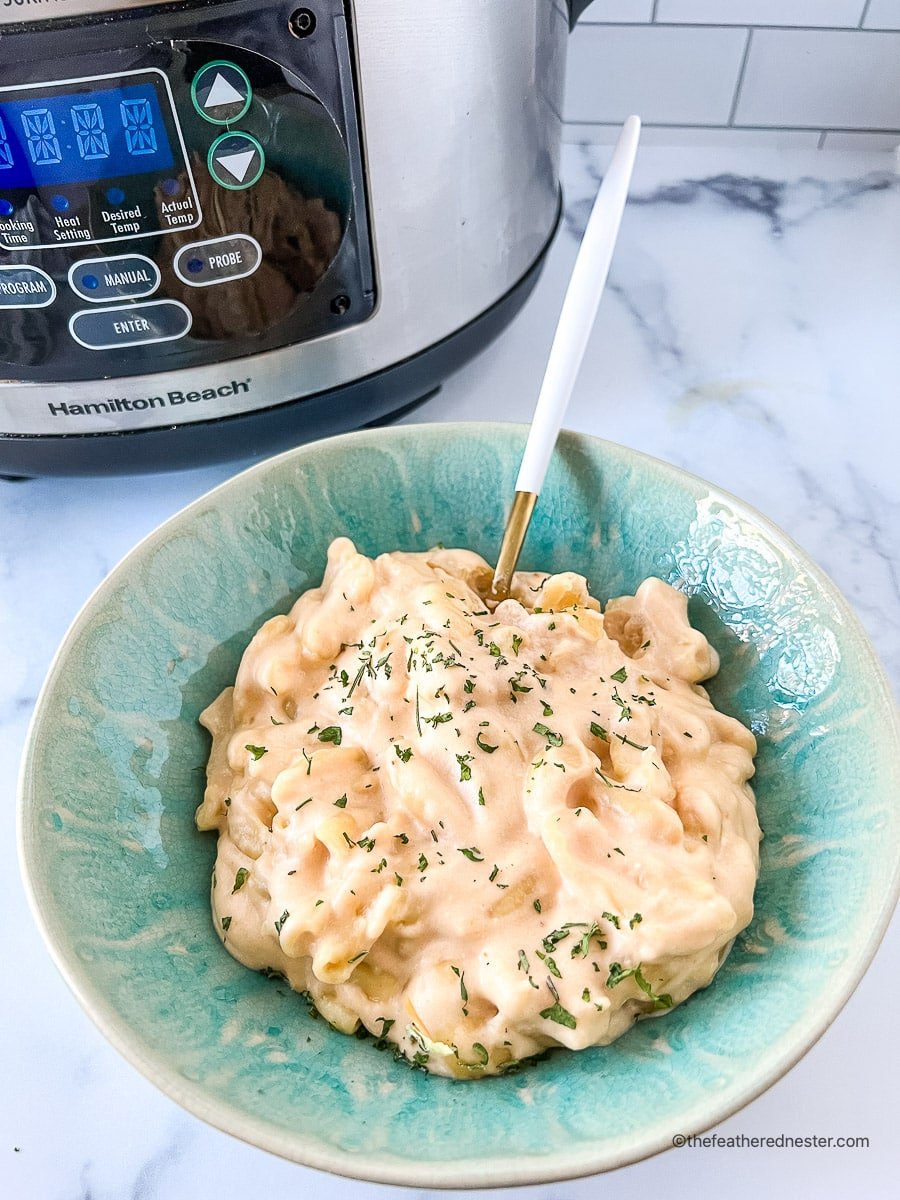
(170, 201)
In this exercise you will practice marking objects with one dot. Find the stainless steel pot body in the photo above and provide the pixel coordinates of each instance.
(459, 113)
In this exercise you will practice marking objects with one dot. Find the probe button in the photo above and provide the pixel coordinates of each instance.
(201, 264)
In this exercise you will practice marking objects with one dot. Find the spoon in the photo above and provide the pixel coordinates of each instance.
(569, 342)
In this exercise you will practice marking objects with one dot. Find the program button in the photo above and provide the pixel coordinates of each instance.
(130, 325)
(25, 287)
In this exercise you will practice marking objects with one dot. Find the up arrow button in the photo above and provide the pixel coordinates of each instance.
(221, 92)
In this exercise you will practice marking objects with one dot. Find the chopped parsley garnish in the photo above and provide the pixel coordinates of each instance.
(599, 731)
(635, 920)
(516, 643)
(226, 923)
(485, 746)
(586, 996)
(402, 837)
(438, 719)
(377, 870)
(536, 906)
(624, 709)
(279, 924)
(387, 1024)
(548, 711)
(626, 741)
(617, 973)
(341, 801)
(331, 734)
(523, 962)
(560, 1015)
(469, 686)
(472, 853)
(240, 879)
(551, 941)
(465, 771)
(619, 676)
(612, 918)
(481, 797)
(551, 965)
(423, 863)
(357, 957)
(582, 949)
(463, 991)
(256, 751)
(403, 755)
(493, 875)
(481, 1053)
(553, 739)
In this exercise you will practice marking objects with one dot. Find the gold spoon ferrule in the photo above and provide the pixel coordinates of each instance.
(513, 539)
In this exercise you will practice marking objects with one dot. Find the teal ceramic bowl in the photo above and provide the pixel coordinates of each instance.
(119, 878)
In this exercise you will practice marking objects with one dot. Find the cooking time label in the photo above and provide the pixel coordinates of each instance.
(96, 159)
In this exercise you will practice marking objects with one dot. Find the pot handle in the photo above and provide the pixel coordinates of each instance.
(576, 8)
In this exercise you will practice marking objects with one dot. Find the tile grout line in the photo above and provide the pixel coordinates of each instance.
(653, 12)
(586, 23)
(738, 87)
(864, 14)
(741, 128)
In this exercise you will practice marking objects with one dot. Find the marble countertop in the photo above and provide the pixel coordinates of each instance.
(749, 334)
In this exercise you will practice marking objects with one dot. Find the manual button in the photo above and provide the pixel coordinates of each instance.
(130, 324)
(125, 277)
(25, 287)
(202, 264)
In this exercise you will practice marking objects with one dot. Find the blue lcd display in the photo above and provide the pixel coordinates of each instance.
(82, 137)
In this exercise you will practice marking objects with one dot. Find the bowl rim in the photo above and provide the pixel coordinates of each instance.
(506, 1171)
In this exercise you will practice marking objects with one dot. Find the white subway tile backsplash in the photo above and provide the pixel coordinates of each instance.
(883, 14)
(619, 10)
(829, 79)
(762, 12)
(679, 76)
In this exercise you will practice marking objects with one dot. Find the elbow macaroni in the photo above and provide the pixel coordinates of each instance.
(479, 831)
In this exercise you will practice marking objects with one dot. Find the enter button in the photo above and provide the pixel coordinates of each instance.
(201, 264)
(130, 324)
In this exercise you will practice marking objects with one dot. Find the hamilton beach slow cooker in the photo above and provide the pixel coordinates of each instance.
(229, 226)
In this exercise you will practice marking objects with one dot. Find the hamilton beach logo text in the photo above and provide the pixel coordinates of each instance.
(120, 404)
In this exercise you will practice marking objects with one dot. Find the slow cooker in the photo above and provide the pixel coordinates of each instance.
(226, 226)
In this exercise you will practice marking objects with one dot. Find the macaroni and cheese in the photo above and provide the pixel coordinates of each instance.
(479, 831)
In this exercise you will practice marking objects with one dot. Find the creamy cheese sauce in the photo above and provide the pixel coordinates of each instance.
(479, 831)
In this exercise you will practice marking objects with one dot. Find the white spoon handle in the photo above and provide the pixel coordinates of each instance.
(579, 310)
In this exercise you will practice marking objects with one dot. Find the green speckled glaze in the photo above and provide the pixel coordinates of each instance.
(119, 877)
